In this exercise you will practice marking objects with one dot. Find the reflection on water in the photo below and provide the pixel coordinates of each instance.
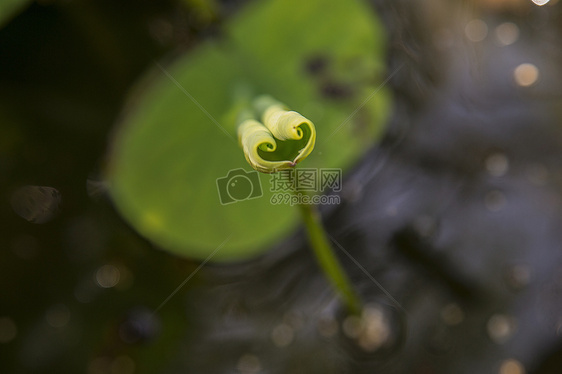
(287, 321)
(457, 214)
(448, 215)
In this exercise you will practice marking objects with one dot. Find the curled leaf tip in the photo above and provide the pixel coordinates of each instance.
(282, 139)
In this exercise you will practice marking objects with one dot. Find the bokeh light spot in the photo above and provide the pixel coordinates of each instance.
(497, 164)
(511, 366)
(507, 33)
(249, 364)
(282, 335)
(476, 30)
(526, 74)
(501, 327)
(371, 330)
(108, 276)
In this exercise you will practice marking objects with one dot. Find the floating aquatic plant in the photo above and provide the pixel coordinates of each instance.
(279, 142)
(178, 136)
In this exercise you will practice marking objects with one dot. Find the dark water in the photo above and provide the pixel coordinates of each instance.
(450, 228)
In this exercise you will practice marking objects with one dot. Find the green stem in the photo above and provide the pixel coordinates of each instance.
(327, 259)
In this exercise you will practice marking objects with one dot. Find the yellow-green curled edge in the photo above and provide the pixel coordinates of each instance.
(278, 125)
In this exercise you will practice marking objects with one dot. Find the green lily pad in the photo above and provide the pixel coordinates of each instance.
(173, 152)
(9, 8)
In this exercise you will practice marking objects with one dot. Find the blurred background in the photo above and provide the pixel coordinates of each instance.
(452, 222)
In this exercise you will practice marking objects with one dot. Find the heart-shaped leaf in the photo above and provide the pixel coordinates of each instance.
(283, 140)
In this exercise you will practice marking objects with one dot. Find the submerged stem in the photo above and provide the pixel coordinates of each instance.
(327, 259)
